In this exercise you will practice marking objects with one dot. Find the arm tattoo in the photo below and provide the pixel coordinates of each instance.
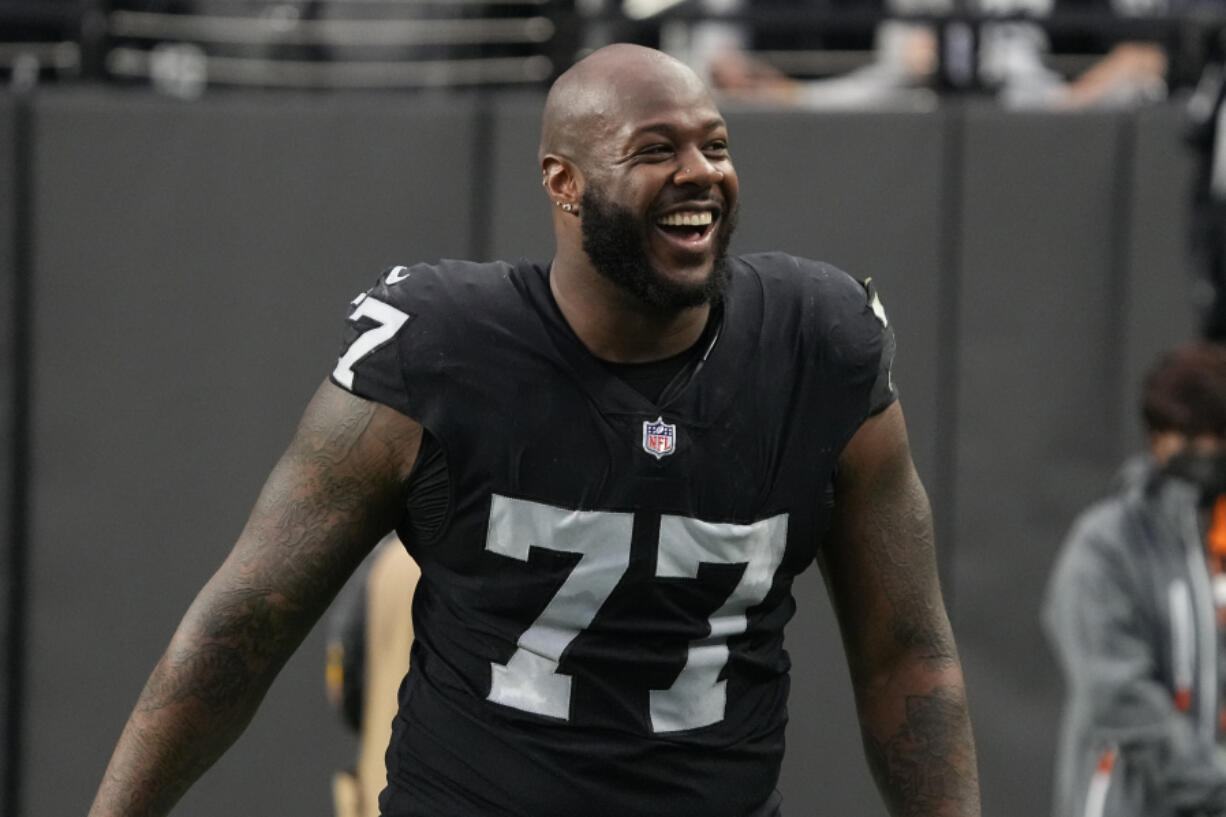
(222, 674)
(921, 769)
(903, 553)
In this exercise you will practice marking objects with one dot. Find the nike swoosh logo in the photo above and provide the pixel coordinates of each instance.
(397, 275)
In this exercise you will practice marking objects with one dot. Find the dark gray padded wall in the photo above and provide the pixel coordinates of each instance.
(193, 267)
(8, 286)
(519, 209)
(1159, 310)
(8, 396)
(1037, 431)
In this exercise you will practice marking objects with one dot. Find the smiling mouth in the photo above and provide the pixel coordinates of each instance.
(688, 226)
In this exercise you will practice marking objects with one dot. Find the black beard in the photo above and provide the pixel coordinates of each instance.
(616, 244)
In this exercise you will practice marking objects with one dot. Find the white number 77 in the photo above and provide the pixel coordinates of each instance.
(530, 680)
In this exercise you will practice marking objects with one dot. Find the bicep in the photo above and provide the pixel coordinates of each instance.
(333, 494)
(879, 560)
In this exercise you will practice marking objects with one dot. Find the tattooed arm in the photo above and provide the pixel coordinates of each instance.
(880, 567)
(335, 492)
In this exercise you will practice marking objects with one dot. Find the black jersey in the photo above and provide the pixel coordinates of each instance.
(599, 620)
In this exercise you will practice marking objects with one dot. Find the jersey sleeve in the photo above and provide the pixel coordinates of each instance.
(842, 321)
(884, 392)
(418, 339)
(369, 364)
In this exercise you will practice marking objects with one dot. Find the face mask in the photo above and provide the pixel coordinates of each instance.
(1206, 471)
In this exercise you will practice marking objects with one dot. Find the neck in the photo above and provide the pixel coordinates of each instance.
(614, 325)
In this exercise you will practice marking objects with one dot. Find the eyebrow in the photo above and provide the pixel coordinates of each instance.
(669, 129)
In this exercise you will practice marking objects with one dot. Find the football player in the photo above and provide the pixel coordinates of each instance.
(610, 468)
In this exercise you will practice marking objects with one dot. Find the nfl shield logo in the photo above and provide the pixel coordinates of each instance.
(659, 438)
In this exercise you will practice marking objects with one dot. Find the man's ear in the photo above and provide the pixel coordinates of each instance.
(562, 180)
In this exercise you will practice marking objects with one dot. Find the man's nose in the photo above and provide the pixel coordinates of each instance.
(697, 168)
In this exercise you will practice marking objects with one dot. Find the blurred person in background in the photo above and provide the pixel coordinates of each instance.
(1006, 58)
(369, 641)
(1135, 609)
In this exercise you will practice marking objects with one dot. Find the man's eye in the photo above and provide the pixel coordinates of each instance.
(655, 150)
(718, 148)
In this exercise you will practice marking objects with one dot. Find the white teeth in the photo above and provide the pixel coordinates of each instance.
(699, 218)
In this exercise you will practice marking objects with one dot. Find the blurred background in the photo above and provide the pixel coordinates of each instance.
(191, 191)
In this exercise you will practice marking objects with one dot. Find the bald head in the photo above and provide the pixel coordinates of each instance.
(588, 101)
(634, 157)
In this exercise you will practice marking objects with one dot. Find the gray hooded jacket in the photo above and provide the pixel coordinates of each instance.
(1130, 613)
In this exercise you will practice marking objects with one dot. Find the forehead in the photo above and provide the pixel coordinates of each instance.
(662, 103)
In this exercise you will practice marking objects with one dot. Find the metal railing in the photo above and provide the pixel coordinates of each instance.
(334, 44)
(337, 44)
